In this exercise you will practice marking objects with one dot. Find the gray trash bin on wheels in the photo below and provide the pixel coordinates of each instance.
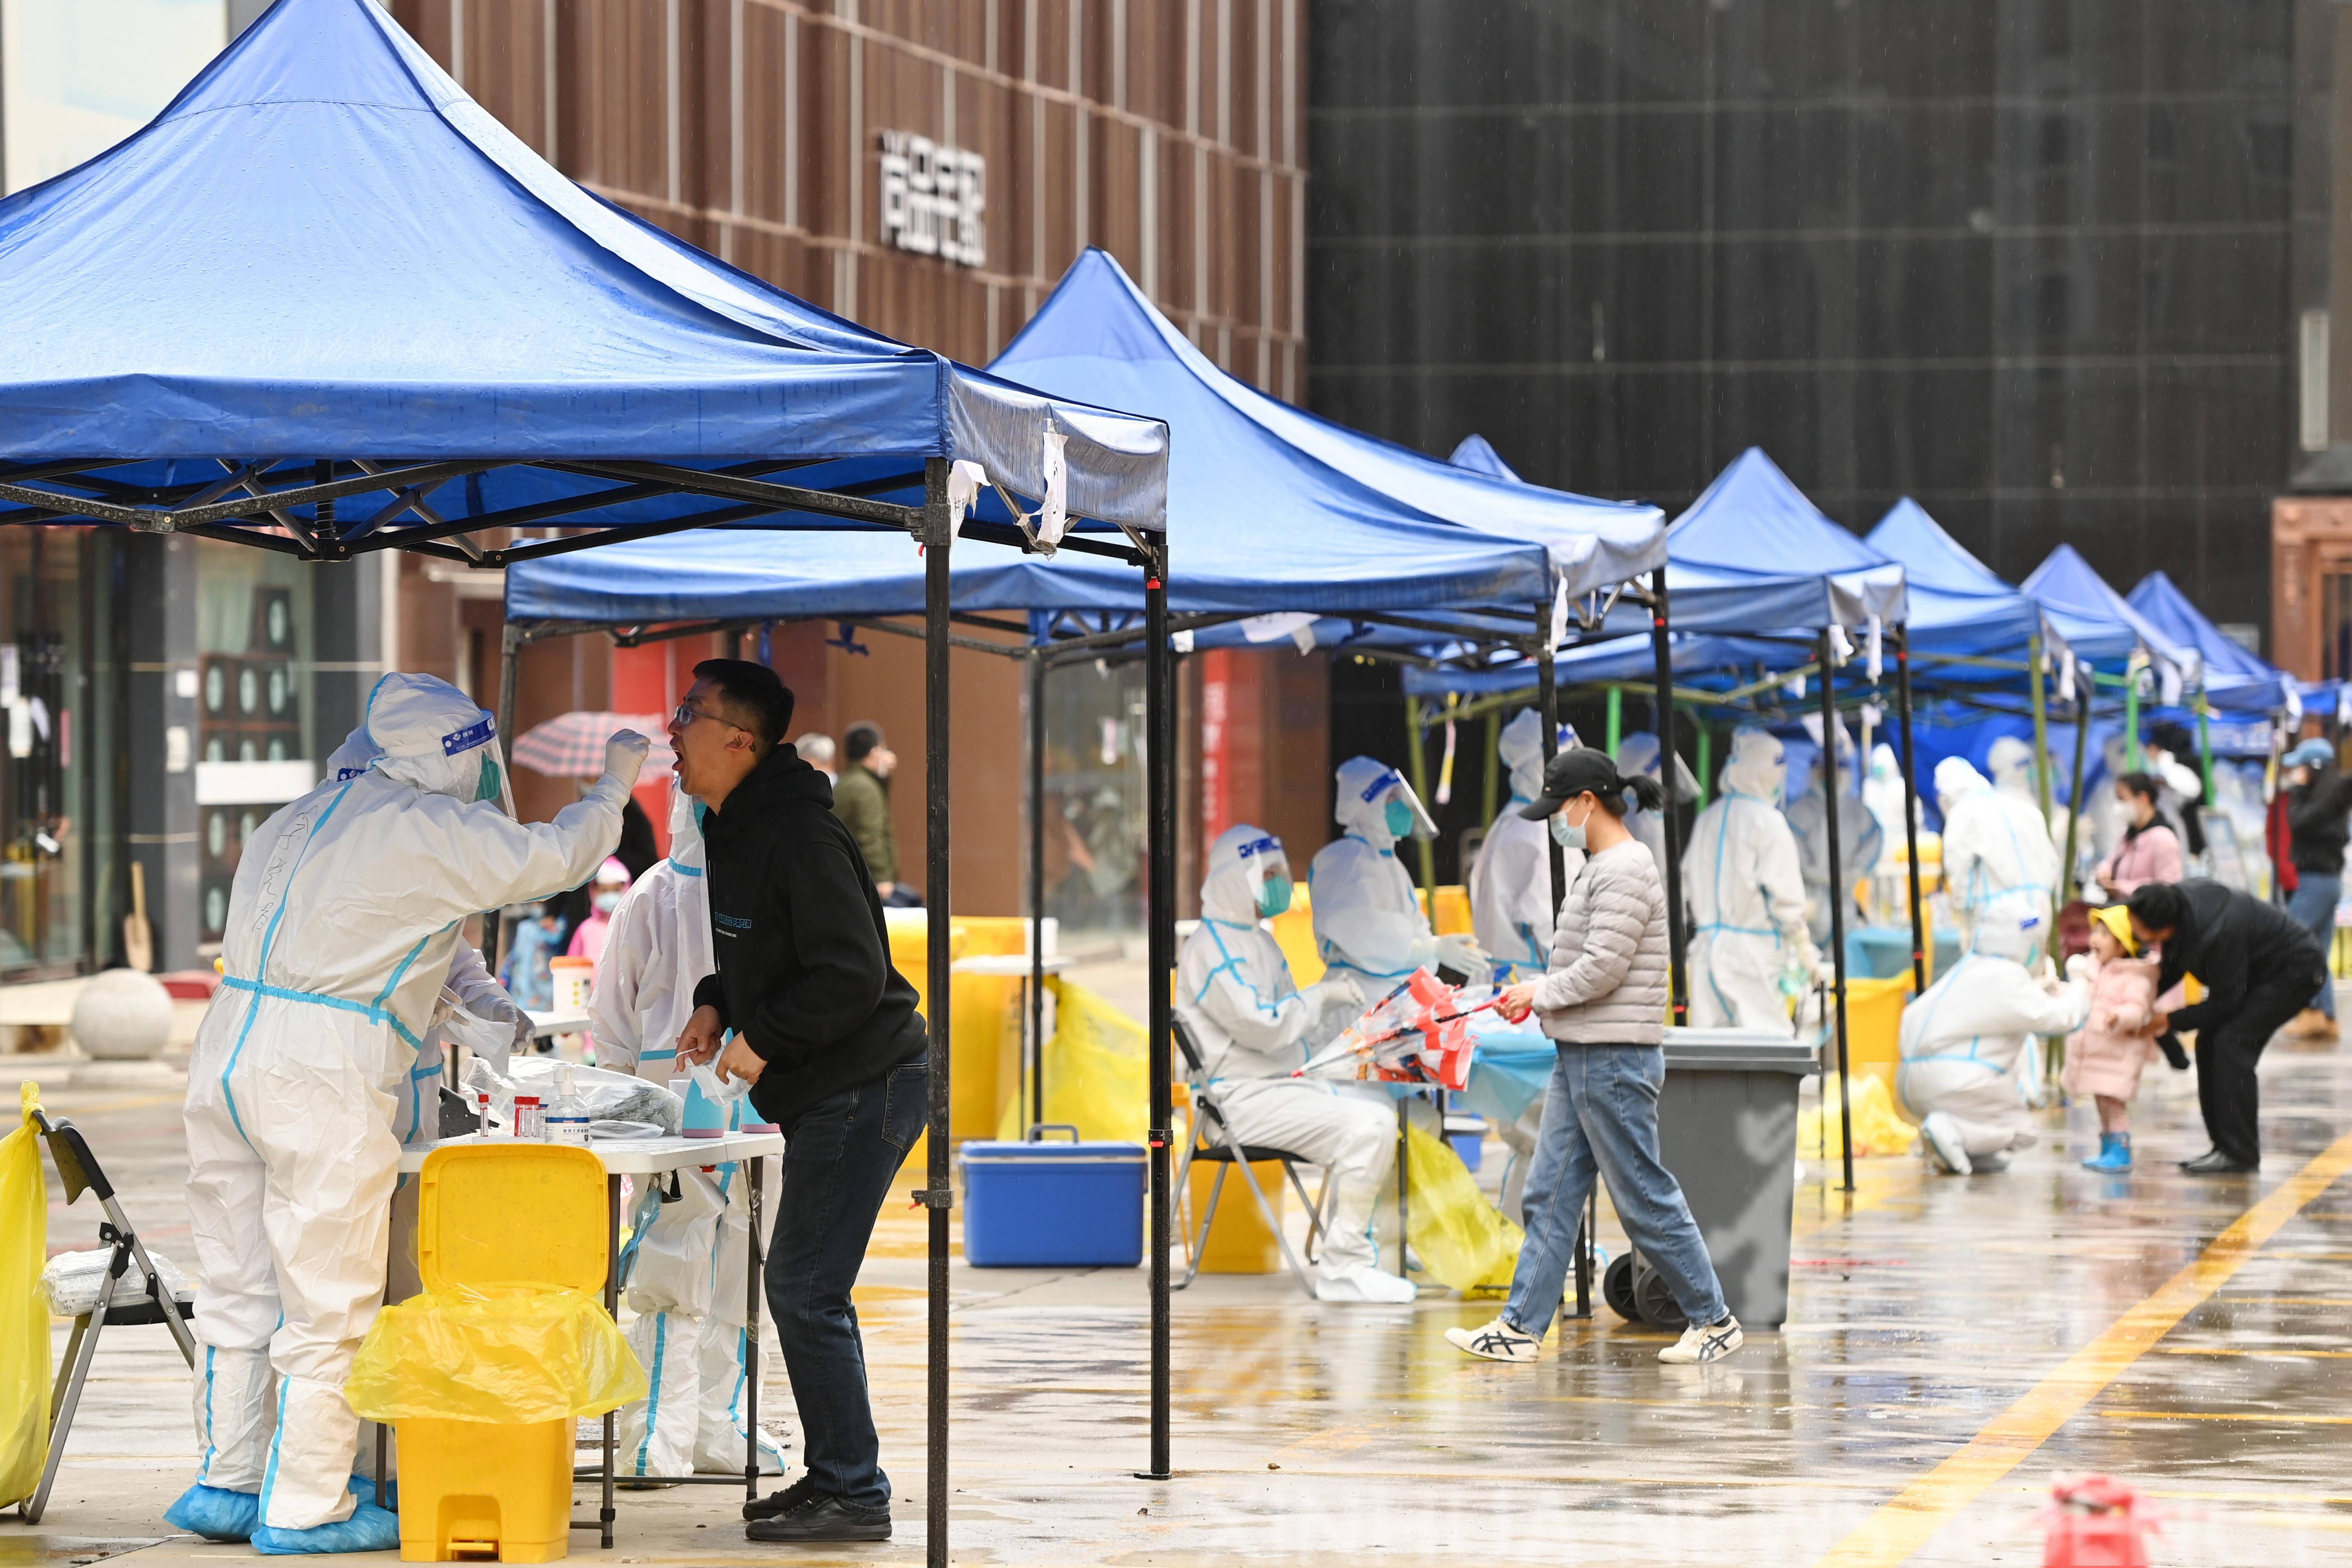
(1727, 1129)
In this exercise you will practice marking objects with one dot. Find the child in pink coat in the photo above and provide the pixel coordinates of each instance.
(2104, 1057)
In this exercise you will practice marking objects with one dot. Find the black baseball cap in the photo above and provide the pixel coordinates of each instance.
(1572, 774)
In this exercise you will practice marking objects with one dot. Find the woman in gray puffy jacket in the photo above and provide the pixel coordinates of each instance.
(1602, 1001)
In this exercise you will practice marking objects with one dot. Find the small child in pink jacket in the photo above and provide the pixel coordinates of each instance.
(2104, 1057)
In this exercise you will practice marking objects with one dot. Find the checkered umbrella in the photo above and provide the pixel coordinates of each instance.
(571, 745)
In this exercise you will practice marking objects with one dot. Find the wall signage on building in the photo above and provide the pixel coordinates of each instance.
(934, 199)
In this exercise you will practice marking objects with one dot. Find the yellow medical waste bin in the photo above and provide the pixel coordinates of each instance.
(1873, 1024)
(491, 1215)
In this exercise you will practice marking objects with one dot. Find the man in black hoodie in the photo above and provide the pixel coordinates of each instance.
(2258, 967)
(827, 1033)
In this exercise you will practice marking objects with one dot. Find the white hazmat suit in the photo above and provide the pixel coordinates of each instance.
(1747, 897)
(1638, 753)
(1965, 1038)
(1368, 919)
(2011, 762)
(1860, 841)
(1256, 1027)
(683, 1268)
(1995, 845)
(342, 920)
(1511, 900)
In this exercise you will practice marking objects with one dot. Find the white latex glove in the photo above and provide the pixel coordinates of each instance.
(1461, 951)
(1337, 998)
(624, 756)
(2078, 966)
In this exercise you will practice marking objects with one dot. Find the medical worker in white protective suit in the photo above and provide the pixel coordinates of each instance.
(341, 921)
(1860, 840)
(1994, 845)
(1368, 919)
(1750, 953)
(1511, 898)
(683, 1267)
(2011, 762)
(1966, 1039)
(1637, 754)
(1256, 1027)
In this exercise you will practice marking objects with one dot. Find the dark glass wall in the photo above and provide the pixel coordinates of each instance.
(2025, 260)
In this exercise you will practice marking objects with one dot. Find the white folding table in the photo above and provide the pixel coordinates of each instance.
(655, 1157)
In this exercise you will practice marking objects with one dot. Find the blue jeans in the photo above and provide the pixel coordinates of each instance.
(840, 1155)
(1600, 1116)
(2313, 906)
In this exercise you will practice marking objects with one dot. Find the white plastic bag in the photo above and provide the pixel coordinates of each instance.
(666, 1266)
(71, 1280)
(716, 1089)
(611, 1096)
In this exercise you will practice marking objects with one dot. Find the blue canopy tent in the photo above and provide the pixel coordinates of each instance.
(2236, 680)
(1729, 573)
(325, 304)
(1284, 517)
(1477, 454)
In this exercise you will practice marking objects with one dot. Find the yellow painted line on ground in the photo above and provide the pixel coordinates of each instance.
(1911, 1518)
(2265, 1418)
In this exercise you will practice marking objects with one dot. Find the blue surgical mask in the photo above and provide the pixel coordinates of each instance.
(1567, 835)
(1274, 896)
(1400, 819)
(486, 783)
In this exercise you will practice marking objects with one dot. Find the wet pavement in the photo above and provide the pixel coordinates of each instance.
(1953, 1345)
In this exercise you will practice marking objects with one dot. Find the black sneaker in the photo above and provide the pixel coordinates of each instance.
(826, 1518)
(794, 1498)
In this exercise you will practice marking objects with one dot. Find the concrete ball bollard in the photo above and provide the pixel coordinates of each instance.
(122, 1015)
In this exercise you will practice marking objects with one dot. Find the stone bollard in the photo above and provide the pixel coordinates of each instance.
(122, 1015)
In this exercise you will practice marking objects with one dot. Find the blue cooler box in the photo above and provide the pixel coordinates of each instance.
(1053, 1205)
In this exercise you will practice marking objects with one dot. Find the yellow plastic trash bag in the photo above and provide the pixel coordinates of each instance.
(24, 1315)
(510, 1355)
(1877, 1130)
(1464, 1240)
(1098, 1071)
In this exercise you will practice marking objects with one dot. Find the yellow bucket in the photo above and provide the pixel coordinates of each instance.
(1874, 1025)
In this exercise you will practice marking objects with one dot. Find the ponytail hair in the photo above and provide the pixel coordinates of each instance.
(1647, 793)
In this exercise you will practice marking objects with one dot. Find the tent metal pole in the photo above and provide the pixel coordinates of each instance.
(1613, 728)
(1677, 936)
(1416, 757)
(1036, 890)
(2205, 746)
(1838, 896)
(1491, 774)
(1911, 806)
(939, 531)
(1160, 774)
(1547, 706)
(511, 638)
(2035, 686)
(2074, 796)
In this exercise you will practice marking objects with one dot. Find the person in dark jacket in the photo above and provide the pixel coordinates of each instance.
(2318, 818)
(827, 1034)
(2258, 967)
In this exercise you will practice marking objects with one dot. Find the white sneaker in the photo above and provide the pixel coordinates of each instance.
(1496, 1340)
(1943, 1142)
(1365, 1283)
(1703, 1343)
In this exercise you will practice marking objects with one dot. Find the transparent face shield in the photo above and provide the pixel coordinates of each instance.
(493, 783)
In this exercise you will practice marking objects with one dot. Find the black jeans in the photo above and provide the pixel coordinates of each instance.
(2227, 1091)
(840, 1155)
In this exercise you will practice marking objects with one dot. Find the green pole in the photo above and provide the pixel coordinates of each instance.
(2131, 715)
(2074, 803)
(1706, 757)
(2040, 722)
(1416, 759)
(2205, 746)
(1494, 769)
(1616, 718)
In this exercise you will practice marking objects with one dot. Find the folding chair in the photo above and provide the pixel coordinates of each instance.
(1228, 1152)
(79, 1169)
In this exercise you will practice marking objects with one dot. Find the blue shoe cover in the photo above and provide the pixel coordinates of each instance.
(215, 1513)
(370, 1529)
